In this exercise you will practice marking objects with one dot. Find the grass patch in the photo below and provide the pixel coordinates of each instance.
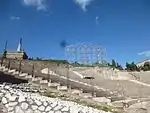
(53, 95)
(50, 94)
(79, 101)
(99, 107)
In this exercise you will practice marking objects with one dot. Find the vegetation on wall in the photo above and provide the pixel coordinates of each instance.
(129, 66)
(49, 60)
(66, 62)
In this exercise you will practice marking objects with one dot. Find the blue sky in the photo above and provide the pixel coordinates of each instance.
(121, 26)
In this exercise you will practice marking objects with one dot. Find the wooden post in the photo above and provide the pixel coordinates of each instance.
(4, 53)
(90, 82)
(49, 78)
(33, 70)
(93, 90)
(2, 61)
(20, 66)
(68, 76)
(9, 64)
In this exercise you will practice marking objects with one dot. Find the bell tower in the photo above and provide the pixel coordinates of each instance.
(19, 49)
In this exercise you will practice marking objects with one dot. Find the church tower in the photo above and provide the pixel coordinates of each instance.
(19, 54)
(19, 49)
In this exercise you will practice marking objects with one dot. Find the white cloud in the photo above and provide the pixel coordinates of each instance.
(14, 18)
(145, 53)
(83, 3)
(39, 4)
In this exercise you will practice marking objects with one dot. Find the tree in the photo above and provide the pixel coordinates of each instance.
(134, 67)
(128, 66)
(75, 63)
(30, 58)
(131, 67)
(119, 66)
(4, 54)
(108, 64)
(113, 64)
(146, 66)
(37, 58)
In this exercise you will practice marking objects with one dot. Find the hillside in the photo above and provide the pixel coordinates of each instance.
(109, 86)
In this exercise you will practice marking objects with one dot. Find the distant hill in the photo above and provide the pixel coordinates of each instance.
(142, 62)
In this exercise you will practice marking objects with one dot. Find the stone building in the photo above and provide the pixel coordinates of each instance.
(16, 55)
(19, 54)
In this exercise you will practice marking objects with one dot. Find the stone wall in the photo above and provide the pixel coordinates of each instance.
(34, 68)
(16, 55)
(10, 79)
(17, 101)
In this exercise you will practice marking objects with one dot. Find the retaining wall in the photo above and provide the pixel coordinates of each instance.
(34, 68)
(16, 101)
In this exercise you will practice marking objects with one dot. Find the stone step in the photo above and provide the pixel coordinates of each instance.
(11, 71)
(54, 85)
(36, 79)
(43, 81)
(86, 95)
(23, 74)
(2, 67)
(5, 69)
(28, 77)
(76, 91)
(15, 73)
(102, 100)
(62, 88)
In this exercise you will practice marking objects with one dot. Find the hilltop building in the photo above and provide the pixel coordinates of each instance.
(18, 54)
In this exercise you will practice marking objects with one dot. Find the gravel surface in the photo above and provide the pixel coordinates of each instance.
(2, 109)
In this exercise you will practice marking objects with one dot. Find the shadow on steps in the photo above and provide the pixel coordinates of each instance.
(10, 79)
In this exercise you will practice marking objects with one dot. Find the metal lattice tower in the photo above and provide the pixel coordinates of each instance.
(86, 53)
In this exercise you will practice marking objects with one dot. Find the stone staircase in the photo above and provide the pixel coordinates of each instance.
(44, 82)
